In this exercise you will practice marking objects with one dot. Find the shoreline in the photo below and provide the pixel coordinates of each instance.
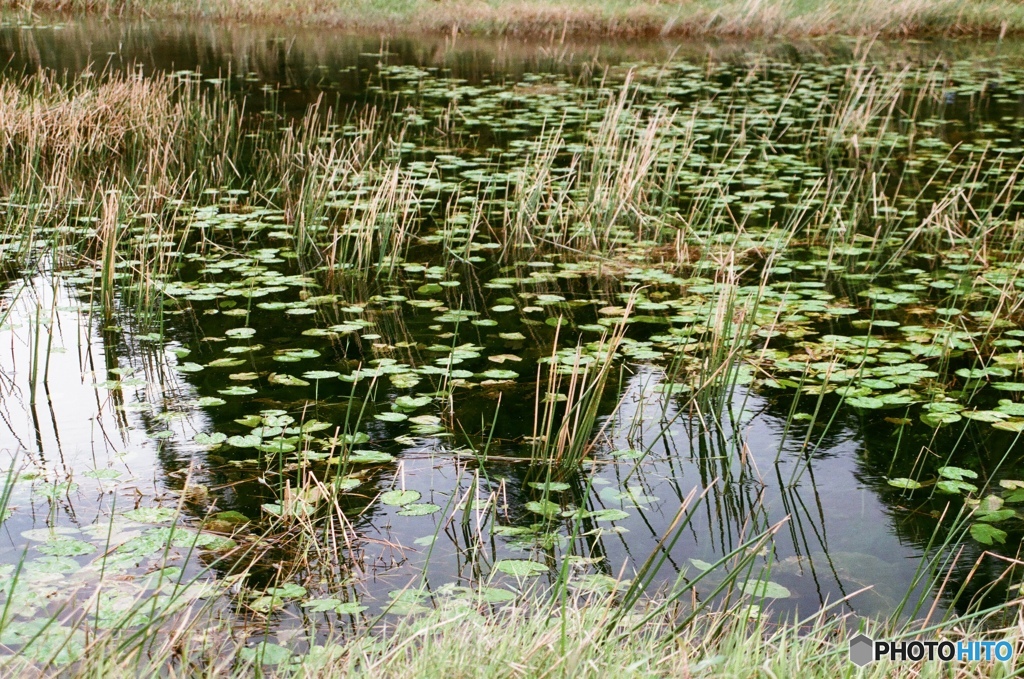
(598, 19)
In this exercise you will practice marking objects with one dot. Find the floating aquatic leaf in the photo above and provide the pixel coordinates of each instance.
(152, 514)
(237, 391)
(66, 546)
(608, 515)
(277, 446)
(43, 641)
(909, 484)
(353, 439)
(553, 486)
(53, 564)
(398, 498)
(955, 486)
(369, 457)
(987, 534)
(984, 415)
(103, 474)
(404, 381)
(350, 608)
(56, 490)
(411, 402)
(288, 590)
(48, 533)
(866, 402)
(940, 419)
(320, 374)
(321, 605)
(423, 509)
(520, 568)
(765, 589)
(286, 380)
(265, 653)
(493, 595)
(500, 374)
(544, 507)
(502, 358)
(956, 473)
(247, 441)
(211, 439)
(225, 363)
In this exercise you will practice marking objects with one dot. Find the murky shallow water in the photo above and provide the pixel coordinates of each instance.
(262, 379)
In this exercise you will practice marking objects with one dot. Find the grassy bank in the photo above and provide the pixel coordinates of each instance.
(532, 640)
(586, 18)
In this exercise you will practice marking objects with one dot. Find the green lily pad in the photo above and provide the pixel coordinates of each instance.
(957, 474)
(369, 457)
(411, 402)
(399, 498)
(65, 546)
(152, 514)
(423, 509)
(765, 589)
(211, 439)
(520, 568)
(102, 474)
(320, 374)
(287, 380)
(543, 507)
(987, 534)
(909, 484)
(265, 653)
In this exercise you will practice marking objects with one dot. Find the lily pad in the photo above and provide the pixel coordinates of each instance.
(520, 568)
(909, 484)
(399, 498)
(152, 514)
(412, 402)
(423, 509)
(987, 534)
(765, 589)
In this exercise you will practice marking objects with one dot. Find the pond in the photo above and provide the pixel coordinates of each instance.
(459, 319)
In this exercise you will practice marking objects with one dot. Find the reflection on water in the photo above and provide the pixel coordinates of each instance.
(111, 400)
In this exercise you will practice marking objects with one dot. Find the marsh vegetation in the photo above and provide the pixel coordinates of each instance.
(559, 19)
(688, 365)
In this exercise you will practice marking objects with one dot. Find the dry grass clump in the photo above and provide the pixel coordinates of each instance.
(50, 118)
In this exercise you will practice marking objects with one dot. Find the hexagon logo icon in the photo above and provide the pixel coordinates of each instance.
(861, 650)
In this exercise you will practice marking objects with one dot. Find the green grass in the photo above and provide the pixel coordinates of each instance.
(587, 18)
(539, 640)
